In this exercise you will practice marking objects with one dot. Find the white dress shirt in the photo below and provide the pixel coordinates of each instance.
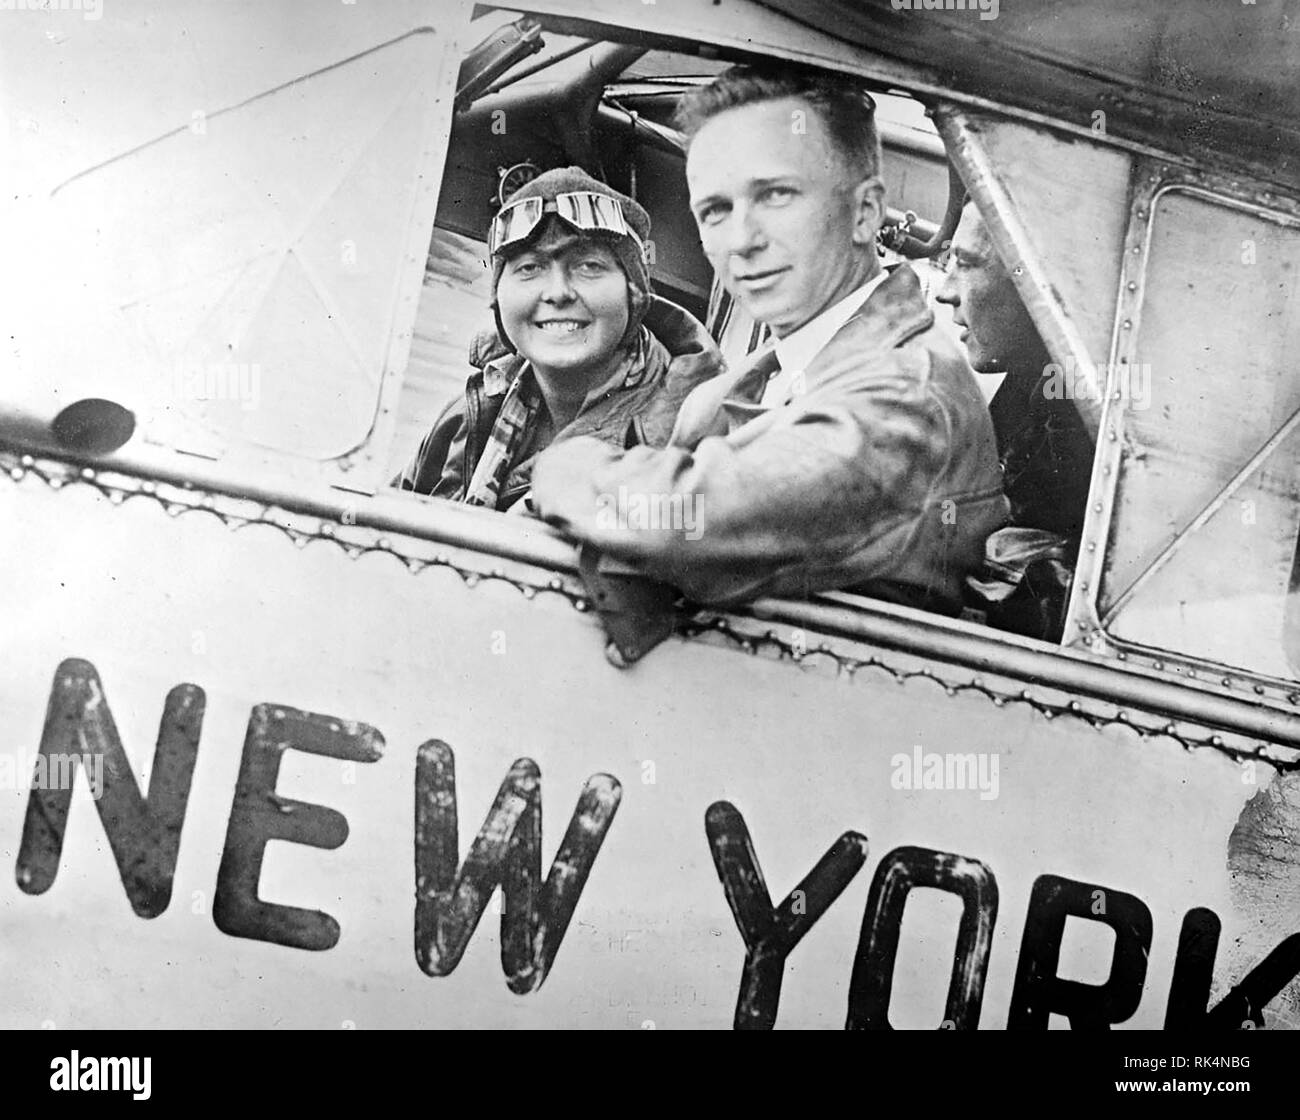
(796, 351)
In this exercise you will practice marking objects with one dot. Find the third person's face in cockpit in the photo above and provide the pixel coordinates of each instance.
(996, 328)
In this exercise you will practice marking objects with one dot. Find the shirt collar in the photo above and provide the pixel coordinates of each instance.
(796, 351)
(500, 373)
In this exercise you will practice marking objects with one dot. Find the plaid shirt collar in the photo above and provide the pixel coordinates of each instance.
(515, 430)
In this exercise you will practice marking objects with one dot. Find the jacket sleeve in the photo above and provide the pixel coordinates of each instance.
(784, 504)
(439, 453)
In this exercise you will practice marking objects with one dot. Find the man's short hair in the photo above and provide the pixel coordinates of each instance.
(846, 109)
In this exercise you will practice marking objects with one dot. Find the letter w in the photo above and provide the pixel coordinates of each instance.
(449, 901)
(143, 832)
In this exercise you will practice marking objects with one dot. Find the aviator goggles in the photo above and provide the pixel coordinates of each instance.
(583, 210)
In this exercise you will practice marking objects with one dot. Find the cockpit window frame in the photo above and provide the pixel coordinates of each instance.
(1088, 624)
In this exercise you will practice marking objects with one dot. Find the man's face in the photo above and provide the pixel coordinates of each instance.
(564, 303)
(996, 328)
(788, 228)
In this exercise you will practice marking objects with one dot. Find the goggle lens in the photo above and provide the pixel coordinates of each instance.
(584, 210)
(514, 222)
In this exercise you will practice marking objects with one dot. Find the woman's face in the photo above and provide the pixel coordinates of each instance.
(564, 304)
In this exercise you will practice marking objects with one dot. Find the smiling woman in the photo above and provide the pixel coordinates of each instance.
(581, 346)
(563, 302)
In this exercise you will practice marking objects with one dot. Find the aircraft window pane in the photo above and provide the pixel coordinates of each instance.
(239, 279)
(1204, 534)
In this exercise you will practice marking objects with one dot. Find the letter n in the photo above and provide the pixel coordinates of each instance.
(507, 851)
(144, 833)
(873, 971)
(1039, 991)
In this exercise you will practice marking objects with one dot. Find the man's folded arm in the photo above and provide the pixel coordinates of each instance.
(784, 511)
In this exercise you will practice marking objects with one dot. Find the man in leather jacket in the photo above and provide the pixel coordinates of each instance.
(857, 452)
